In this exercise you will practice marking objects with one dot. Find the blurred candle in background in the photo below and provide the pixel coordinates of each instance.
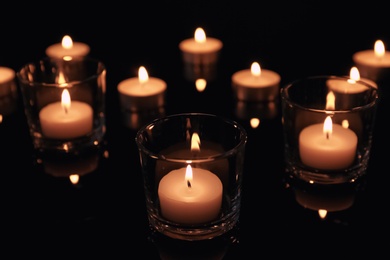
(67, 48)
(200, 49)
(373, 64)
(256, 84)
(142, 92)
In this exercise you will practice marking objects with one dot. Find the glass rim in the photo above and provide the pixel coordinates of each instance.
(287, 99)
(242, 141)
(100, 69)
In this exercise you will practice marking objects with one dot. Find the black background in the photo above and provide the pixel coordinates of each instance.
(104, 215)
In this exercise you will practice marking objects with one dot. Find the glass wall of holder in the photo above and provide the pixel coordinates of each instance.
(64, 103)
(192, 167)
(328, 128)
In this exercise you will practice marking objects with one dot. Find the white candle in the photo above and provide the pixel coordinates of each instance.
(190, 200)
(67, 48)
(66, 119)
(7, 76)
(143, 92)
(373, 64)
(327, 146)
(256, 84)
(200, 49)
(350, 86)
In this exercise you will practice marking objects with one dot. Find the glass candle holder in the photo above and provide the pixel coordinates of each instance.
(64, 103)
(192, 167)
(328, 128)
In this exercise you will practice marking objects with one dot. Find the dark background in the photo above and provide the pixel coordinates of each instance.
(104, 216)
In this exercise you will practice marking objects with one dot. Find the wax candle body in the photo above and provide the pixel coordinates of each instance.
(58, 124)
(249, 87)
(372, 67)
(7, 77)
(201, 52)
(58, 51)
(193, 205)
(334, 153)
(137, 96)
(346, 87)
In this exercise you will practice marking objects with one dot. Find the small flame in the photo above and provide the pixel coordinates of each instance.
(322, 213)
(65, 100)
(143, 75)
(345, 123)
(188, 177)
(61, 80)
(200, 35)
(255, 122)
(354, 74)
(74, 178)
(255, 69)
(379, 48)
(328, 127)
(195, 143)
(330, 101)
(67, 42)
(200, 84)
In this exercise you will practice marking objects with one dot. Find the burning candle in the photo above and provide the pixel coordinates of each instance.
(67, 48)
(256, 84)
(66, 119)
(142, 93)
(200, 49)
(327, 146)
(190, 196)
(373, 64)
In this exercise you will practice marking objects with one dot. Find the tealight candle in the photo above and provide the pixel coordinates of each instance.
(327, 146)
(373, 64)
(67, 48)
(200, 49)
(7, 83)
(66, 119)
(256, 84)
(142, 93)
(190, 196)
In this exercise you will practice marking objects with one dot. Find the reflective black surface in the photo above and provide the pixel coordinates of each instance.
(104, 215)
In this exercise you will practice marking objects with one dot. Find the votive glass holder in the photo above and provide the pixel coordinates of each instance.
(328, 124)
(192, 168)
(64, 104)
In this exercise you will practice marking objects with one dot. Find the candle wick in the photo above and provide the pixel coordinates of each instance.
(327, 135)
(188, 184)
(66, 110)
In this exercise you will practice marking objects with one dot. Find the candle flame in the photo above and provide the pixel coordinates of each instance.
(255, 122)
(322, 213)
(74, 178)
(195, 142)
(345, 123)
(354, 74)
(328, 127)
(67, 42)
(200, 84)
(65, 100)
(200, 35)
(188, 177)
(379, 49)
(255, 69)
(330, 101)
(60, 79)
(143, 75)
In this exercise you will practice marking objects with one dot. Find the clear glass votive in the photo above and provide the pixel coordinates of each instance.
(64, 103)
(192, 167)
(328, 126)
